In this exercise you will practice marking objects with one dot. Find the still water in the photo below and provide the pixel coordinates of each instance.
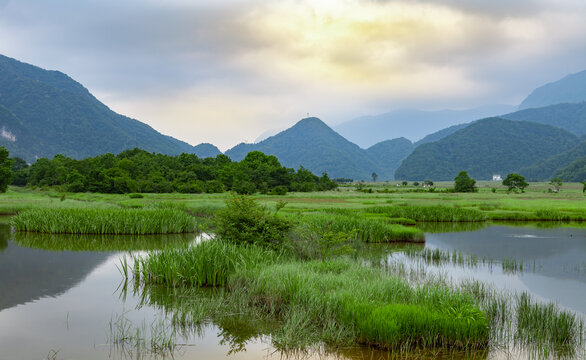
(58, 301)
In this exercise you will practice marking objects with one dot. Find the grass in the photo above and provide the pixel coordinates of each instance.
(105, 221)
(436, 213)
(209, 263)
(370, 230)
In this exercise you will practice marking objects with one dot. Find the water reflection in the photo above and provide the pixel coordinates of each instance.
(30, 274)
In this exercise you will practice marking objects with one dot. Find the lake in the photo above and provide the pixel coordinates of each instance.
(60, 302)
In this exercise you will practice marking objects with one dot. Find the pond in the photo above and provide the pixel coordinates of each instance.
(58, 301)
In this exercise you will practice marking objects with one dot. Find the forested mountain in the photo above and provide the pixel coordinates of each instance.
(570, 89)
(312, 144)
(411, 124)
(546, 169)
(438, 135)
(574, 172)
(486, 147)
(389, 154)
(43, 113)
(206, 150)
(571, 117)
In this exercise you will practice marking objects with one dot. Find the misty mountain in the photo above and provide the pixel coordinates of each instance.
(411, 124)
(312, 144)
(571, 117)
(44, 113)
(206, 150)
(570, 89)
(545, 169)
(486, 147)
(438, 135)
(389, 154)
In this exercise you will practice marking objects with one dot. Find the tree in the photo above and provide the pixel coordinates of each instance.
(5, 169)
(464, 183)
(515, 182)
(556, 182)
(374, 176)
(584, 186)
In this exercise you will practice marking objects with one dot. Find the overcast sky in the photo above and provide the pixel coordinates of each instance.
(226, 71)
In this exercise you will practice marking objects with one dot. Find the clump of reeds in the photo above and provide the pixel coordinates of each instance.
(430, 213)
(551, 328)
(441, 257)
(372, 230)
(105, 221)
(209, 263)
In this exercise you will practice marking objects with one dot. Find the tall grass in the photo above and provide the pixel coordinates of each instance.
(105, 221)
(367, 229)
(430, 213)
(365, 305)
(209, 263)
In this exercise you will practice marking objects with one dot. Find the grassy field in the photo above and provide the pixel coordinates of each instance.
(535, 204)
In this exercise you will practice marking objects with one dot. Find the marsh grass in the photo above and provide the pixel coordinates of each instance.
(430, 213)
(105, 221)
(370, 230)
(209, 263)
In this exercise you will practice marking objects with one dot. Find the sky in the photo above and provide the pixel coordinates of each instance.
(224, 72)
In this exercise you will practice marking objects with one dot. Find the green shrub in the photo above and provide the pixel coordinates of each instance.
(135, 196)
(243, 221)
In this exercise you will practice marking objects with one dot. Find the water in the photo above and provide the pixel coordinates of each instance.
(59, 302)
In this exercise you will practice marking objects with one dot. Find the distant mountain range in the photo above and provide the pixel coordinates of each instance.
(484, 148)
(411, 124)
(44, 113)
(570, 89)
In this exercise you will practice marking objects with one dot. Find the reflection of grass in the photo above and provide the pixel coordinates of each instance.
(84, 242)
(133, 341)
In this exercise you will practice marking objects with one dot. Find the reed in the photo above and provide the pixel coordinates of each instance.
(209, 263)
(430, 213)
(105, 221)
(373, 230)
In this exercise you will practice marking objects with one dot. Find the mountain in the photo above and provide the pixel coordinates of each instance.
(412, 124)
(571, 117)
(438, 135)
(389, 154)
(485, 147)
(206, 150)
(574, 172)
(570, 89)
(312, 144)
(44, 113)
(545, 169)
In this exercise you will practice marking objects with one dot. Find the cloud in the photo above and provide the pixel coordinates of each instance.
(223, 71)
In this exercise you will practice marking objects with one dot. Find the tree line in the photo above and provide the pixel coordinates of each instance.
(137, 170)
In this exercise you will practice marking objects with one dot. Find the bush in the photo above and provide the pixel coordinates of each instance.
(243, 221)
(279, 190)
(464, 183)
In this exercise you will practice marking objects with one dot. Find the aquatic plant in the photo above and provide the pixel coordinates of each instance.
(367, 229)
(430, 213)
(105, 221)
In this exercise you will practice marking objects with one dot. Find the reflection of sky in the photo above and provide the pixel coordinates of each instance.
(556, 259)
